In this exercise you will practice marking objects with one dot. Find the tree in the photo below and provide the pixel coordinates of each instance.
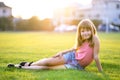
(47, 25)
(29, 24)
(96, 22)
(6, 23)
(22, 25)
(34, 23)
(75, 22)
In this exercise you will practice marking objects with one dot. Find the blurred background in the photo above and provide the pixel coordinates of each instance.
(58, 15)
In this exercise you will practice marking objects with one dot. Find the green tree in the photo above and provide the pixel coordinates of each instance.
(6, 23)
(22, 25)
(29, 24)
(47, 25)
(34, 23)
(96, 22)
(74, 22)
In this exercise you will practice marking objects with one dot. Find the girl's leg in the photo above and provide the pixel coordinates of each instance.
(35, 67)
(58, 67)
(30, 67)
(42, 67)
(49, 62)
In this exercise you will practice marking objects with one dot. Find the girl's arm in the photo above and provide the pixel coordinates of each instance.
(64, 52)
(96, 51)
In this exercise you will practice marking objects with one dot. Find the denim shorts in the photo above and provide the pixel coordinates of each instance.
(71, 62)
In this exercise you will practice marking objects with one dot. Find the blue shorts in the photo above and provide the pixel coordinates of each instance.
(71, 62)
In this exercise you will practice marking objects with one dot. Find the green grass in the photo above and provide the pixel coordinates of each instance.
(31, 46)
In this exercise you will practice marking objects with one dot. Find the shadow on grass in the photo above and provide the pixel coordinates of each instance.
(111, 70)
(113, 66)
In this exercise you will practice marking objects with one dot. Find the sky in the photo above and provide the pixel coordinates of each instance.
(41, 8)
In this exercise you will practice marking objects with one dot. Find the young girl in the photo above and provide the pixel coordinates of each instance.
(85, 51)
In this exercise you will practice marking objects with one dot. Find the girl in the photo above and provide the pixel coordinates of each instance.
(86, 49)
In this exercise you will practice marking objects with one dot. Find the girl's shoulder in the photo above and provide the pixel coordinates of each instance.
(96, 39)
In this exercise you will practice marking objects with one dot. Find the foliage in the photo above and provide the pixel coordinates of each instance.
(6, 23)
(96, 22)
(75, 22)
(22, 25)
(34, 24)
(46, 24)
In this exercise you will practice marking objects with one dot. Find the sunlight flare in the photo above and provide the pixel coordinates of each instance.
(40, 8)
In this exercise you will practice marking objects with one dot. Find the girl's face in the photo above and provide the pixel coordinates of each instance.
(85, 34)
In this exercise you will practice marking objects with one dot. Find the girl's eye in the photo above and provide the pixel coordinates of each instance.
(82, 31)
(88, 30)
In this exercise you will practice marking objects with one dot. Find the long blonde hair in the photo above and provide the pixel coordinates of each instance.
(85, 24)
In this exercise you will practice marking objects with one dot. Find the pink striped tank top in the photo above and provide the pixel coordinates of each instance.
(84, 54)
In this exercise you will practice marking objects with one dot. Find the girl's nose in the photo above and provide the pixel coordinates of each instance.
(85, 32)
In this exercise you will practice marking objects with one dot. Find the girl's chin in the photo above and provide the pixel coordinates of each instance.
(85, 38)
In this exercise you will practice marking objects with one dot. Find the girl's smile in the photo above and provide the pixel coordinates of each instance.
(85, 34)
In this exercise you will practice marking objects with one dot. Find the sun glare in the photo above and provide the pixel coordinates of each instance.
(41, 8)
(48, 7)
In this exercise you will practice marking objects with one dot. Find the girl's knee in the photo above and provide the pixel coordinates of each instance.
(43, 62)
(47, 62)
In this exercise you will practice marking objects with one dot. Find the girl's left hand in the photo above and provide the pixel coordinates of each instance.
(58, 54)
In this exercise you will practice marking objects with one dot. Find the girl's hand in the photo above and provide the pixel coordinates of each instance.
(58, 54)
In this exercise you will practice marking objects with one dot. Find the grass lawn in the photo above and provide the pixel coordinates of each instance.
(31, 46)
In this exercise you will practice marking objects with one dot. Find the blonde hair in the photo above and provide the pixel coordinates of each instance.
(85, 24)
